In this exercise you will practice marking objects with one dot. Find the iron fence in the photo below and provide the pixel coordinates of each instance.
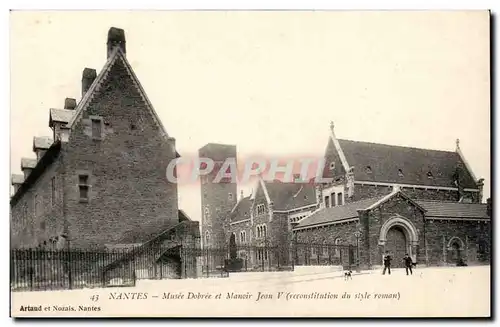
(42, 269)
(323, 254)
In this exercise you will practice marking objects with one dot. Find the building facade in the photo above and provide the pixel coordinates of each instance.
(99, 181)
(379, 198)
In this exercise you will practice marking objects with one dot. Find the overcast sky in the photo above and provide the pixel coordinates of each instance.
(270, 82)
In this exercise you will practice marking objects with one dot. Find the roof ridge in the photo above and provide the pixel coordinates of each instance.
(398, 146)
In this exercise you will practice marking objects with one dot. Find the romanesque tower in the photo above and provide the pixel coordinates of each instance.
(217, 197)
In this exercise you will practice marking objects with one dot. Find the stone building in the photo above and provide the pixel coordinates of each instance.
(100, 181)
(426, 203)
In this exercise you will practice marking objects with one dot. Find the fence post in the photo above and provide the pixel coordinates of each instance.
(30, 268)
(350, 256)
(70, 276)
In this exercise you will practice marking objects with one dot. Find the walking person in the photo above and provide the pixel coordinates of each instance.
(387, 263)
(408, 263)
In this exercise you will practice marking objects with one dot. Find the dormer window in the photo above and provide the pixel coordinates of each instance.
(400, 173)
(368, 169)
(429, 175)
(332, 165)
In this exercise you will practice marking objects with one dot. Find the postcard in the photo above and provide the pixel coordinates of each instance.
(250, 164)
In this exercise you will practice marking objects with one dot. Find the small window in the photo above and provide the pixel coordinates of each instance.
(332, 165)
(332, 199)
(96, 128)
(260, 209)
(429, 175)
(207, 237)
(368, 169)
(313, 251)
(400, 173)
(83, 186)
(327, 201)
(230, 196)
(42, 226)
(340, 199)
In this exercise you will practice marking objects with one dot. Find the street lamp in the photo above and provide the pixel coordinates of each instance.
(357, 234)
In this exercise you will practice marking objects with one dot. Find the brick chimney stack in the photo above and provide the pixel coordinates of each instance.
(69, 103)
(88, 77)
(116, 38)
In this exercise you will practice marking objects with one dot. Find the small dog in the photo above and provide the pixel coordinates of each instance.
(348, 275)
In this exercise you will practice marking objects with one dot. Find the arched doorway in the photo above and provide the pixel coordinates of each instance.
(455, 250)
(399, 236)
(397, 245)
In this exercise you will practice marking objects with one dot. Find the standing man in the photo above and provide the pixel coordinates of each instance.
(408, 263)
(387, 262)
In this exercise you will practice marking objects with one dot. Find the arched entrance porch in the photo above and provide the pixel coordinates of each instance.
(399, 236)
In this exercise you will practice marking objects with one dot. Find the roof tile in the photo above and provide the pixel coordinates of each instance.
(346, 211)
(385, 162)
(454, 209)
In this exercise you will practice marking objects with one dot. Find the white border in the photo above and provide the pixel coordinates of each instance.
(190, 5)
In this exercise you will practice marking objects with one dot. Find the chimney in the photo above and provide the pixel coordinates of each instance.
(17, 181)
(116, 38)
(41, 145)
(69, 103)
(27, 165)
(88, 77)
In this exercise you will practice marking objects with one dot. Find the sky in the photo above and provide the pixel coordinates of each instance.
(270, 82)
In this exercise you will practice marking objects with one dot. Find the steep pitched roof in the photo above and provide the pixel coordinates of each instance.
(338, 213)
(117, 54)
(385, 161)
(43, 142)
(454, 209)
(241, 210)
(288, 196)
